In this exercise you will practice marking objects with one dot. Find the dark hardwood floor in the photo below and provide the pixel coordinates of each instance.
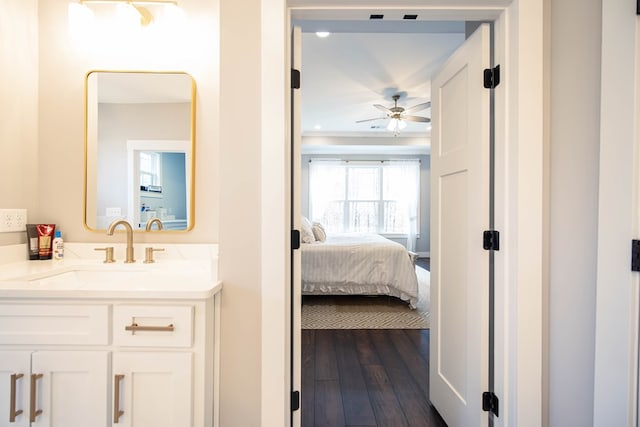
(370, 377)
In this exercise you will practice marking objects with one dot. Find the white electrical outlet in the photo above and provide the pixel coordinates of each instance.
(12, 220)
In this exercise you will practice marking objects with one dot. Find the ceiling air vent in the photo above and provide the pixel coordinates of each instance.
(410, 17)
(374, 16)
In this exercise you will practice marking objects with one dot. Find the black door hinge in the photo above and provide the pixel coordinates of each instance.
(635, 255)
(490, 402)
(491, 240)
(638, 8)
(491, 77)
(295, 400)
(295, 79)
(295, 239)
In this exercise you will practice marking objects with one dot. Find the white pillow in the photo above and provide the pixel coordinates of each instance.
(306, 232)
(318, 232)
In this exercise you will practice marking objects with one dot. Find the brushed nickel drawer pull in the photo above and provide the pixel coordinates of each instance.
(13, 413)
(133, 327)
(33, 393)
(117, 412)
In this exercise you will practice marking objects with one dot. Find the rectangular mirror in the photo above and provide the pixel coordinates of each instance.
(139, 149)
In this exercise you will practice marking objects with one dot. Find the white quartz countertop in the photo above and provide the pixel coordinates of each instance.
(82, 274)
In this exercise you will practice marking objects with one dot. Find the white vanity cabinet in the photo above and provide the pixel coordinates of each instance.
(107, 362)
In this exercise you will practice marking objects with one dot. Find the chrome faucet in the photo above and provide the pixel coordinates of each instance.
(152, 221)
(129, 230)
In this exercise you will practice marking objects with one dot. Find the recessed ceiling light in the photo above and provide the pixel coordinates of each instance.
(322, 34)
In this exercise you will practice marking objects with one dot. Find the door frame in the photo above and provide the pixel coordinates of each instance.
(523, 220)
(521, 192)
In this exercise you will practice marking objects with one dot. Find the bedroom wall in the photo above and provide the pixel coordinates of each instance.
(422, 242)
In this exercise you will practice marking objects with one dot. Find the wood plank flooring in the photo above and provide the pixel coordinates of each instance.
(363, 378)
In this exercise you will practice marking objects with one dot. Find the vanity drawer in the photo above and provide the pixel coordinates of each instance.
(54, 324)
(153, 325)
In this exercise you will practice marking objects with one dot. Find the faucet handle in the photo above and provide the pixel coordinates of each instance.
(108, 254)
(148, 254)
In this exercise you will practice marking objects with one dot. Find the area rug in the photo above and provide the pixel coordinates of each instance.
(362, 312)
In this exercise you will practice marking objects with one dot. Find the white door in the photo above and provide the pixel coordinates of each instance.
(15, 367)
(152, 389)
(296, 212)
(69, 388)
(459, 215)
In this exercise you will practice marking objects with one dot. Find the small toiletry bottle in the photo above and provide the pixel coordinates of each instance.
(58, 246)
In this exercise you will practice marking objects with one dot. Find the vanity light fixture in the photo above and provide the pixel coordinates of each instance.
(137, 7)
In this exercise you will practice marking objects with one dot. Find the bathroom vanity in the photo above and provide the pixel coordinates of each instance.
(87, 343)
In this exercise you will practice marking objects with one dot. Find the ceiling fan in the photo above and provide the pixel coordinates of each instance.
(398, 115)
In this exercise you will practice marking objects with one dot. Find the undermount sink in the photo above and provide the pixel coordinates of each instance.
(93, 276)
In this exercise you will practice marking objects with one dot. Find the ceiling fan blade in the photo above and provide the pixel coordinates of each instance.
(369, 120)
(418, 107)
(382, 108)
(416, 119)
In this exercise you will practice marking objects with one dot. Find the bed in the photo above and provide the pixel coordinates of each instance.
(358, 264)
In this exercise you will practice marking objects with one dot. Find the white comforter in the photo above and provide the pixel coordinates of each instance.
(361, 264)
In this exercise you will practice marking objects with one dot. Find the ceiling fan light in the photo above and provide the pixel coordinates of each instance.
(402, 124)
(393, 123)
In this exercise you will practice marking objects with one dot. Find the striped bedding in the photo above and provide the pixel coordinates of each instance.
(359, 264)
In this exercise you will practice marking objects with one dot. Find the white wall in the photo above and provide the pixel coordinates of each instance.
(574, 150)
(18, 109)
(64, 59)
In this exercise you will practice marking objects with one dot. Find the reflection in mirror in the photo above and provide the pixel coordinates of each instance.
(139, 151)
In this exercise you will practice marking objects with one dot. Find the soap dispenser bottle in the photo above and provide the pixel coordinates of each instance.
(58, 246)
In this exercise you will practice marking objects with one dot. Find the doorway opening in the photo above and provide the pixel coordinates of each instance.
(325, 143)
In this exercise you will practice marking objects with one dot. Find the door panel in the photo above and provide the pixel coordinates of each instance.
(16, 363)
(460, 213)
(153, 389)
(73, 388)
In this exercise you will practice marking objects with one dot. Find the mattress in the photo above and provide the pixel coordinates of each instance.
(359, 264)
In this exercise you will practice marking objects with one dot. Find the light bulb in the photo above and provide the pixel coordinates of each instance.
(172, 15)
(402, 124)
(127, 15)
(80, 16)
(393, 123)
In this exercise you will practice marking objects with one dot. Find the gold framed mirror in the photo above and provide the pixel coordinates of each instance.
(139, 149)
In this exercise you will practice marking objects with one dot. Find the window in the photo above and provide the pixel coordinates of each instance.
(149, 168)
(375, 197)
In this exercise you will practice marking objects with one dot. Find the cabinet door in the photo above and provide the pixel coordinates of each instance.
(70, 388)
(152, 389)
(15, 367)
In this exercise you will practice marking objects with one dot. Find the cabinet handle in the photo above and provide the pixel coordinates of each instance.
(13, 413)
(135, 327)
(117, 412)
(33, 393)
